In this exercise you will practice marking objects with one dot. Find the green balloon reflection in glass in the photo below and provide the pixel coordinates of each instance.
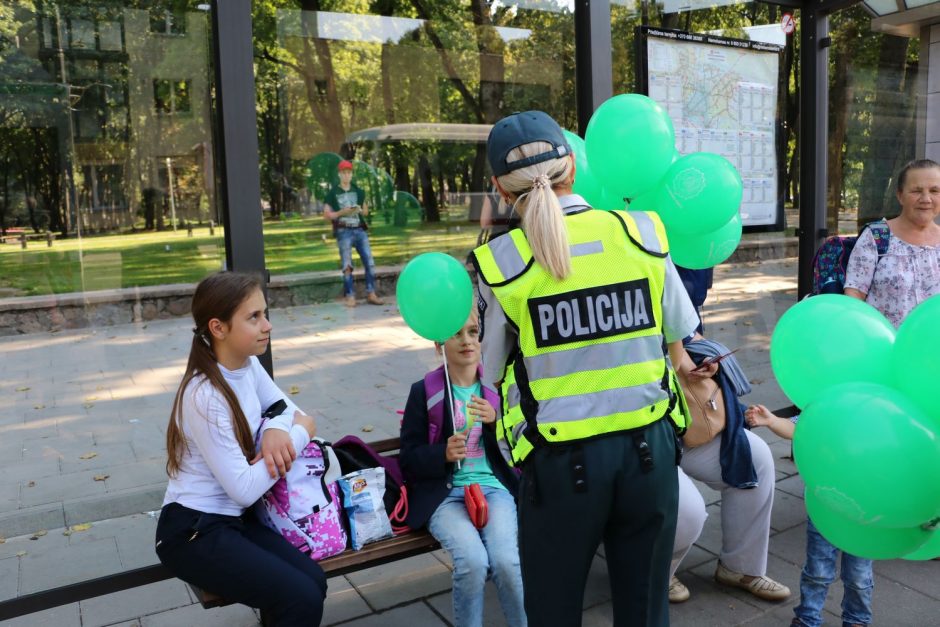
(434, 295)
(630, 143)
(322, 174)
(699, 193)
(928, 550)
(826, 340)
(705, 250)
(869, 455)
(917, 357)
(862, 540)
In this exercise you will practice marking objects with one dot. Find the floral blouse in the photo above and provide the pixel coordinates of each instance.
(906, 276)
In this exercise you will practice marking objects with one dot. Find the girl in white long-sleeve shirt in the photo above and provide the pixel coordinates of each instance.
(206, 534)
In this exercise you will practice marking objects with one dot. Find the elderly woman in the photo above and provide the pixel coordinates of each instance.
(909, 272)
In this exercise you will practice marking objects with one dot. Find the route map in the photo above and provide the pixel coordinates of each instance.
(722, 97)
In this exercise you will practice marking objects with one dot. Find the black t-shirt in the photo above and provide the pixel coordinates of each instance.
(338, 198)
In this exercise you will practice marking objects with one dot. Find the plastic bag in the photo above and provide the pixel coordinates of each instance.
(363, 492)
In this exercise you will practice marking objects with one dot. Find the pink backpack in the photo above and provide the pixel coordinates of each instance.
(304, 508)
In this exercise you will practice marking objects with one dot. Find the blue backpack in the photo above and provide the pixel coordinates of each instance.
(832, 258)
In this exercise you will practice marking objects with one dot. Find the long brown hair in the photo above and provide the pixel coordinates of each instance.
(217, 296)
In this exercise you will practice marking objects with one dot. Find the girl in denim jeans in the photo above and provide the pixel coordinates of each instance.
(819, 569)
(436, 471)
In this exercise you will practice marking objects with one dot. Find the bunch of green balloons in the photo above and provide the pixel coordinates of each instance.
(628, 155)
(868, 441)
(434, 295)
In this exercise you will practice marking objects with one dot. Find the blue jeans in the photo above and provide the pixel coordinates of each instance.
(820, 571)
(493, 550)
(358, 239)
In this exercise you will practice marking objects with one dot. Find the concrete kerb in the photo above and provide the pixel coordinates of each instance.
(54, 312)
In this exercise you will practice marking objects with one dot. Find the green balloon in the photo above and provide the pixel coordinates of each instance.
(699, 193)
(830, 339)
(630, 143)
(917, 356)
(928, 550)
(434, 295)
(585, 183)
(860, 540)
(868, 454)
(706, 250)
(322, 174)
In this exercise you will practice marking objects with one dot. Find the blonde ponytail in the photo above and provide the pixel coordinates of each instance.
(542, 217)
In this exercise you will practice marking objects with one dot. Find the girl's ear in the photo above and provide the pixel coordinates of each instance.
(437, 347)
(217, 328)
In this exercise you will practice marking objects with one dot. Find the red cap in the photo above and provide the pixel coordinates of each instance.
(345, 165)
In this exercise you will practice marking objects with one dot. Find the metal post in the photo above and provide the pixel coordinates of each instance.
(814, 107)
(169, 178)
(237, 139)
(593, 65)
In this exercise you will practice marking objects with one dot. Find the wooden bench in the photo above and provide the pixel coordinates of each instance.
(375, 554)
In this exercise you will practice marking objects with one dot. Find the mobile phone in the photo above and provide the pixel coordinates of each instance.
(712, 360)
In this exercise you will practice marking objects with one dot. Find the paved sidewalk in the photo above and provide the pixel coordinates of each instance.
(82, 441)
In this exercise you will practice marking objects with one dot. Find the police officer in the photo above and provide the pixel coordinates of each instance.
(582, 304)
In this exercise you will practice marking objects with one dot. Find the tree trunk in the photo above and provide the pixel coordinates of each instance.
(428, 199)
(839, 98)
(890, 111)
(317, 61)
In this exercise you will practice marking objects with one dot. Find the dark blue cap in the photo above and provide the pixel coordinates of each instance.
(524, 128)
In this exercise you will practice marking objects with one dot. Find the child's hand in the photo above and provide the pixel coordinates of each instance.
(481, 408)
(456, 447)
(277, 451)
(759, 416)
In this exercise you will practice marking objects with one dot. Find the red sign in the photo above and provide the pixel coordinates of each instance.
(787, 23)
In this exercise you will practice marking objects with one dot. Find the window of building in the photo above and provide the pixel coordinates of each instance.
(171, 96)
(166, 22)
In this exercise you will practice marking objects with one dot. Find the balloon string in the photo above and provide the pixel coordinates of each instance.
(450, 394)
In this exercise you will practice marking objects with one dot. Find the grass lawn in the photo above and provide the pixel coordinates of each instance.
(142, 259)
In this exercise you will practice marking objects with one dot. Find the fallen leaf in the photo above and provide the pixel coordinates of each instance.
(81, 527)
(20, 553)
(101, 477)
(91, 398)
(368, 428)
(23, 389)
(88, 455)
(2, 539)
(67, 532)
(294, 389)
(748, 323)
(39, 406)
(38, 534)
(88, 405)
(31, 484)
(380, 385)
(756, 381)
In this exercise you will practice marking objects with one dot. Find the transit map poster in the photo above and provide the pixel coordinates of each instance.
(722, 96)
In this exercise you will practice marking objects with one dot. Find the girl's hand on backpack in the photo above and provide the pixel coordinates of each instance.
(307, 422)
(456, 447)
(481, 408)
(277, 451)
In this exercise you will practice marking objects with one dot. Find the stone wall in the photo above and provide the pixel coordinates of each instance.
(34, 314)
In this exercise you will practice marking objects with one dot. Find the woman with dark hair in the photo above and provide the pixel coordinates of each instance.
(207, 535)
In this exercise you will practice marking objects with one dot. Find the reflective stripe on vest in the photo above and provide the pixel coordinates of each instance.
(591, 344)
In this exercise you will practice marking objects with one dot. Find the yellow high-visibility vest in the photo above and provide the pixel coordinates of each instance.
(591, 345)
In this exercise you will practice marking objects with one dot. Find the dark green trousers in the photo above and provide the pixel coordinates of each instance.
(633, 512)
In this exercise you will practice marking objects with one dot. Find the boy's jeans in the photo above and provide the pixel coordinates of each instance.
(358, 239)
(493, 550)
(820, 571)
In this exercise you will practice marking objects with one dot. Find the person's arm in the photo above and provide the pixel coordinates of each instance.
(209, 425)
(363, 203)
(680, 319)
(860, 270)
(497, 336)
(281, 436)
(760, 416)
(420, 459)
